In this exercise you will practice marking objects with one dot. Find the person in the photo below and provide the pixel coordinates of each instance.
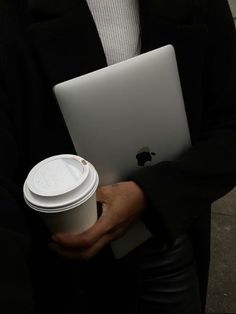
(52, 41)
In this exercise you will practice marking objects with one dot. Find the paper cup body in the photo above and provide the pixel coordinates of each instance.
(75, 220)
(62, 189)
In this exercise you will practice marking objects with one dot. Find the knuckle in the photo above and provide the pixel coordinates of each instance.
(105, 190)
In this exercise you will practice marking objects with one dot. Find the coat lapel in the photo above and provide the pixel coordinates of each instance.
(66, 40)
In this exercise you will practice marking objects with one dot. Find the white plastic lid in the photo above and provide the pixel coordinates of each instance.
(60, 183)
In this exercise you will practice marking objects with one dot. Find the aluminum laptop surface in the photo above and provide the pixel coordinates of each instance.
(128, 115)
(131, 107)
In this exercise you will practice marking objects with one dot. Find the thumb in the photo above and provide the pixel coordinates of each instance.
(102, 194)
(86, 238)
(104, 197)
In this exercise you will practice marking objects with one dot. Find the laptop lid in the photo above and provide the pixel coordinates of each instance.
(124, 117)
(128, 115)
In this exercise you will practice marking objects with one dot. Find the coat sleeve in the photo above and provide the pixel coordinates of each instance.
(178, 191)
(15, 286)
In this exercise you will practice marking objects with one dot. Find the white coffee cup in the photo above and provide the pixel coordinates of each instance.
(62, 190)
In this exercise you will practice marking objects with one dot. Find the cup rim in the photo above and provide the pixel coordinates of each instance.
(55, 204)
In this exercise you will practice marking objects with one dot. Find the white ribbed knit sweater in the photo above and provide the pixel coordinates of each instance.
(117, 22)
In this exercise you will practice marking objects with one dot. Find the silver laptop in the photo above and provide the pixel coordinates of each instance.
(125, 117)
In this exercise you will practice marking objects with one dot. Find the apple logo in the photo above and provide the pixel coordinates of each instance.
(144, 155)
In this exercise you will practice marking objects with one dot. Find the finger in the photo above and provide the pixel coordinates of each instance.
(83, 254)
(86, 238)
(63, 252)
(103, 193)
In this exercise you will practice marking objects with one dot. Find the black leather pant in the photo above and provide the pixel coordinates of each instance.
(152, 279)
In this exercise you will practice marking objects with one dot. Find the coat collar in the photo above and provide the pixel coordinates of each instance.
(70, 23)
(152, 12)
(165, 19)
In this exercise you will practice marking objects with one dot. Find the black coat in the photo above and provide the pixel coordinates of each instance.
(53, 41)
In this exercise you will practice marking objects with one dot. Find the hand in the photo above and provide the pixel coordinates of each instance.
(122, 204)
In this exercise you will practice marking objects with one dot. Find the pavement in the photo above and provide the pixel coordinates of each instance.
(222, 280)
